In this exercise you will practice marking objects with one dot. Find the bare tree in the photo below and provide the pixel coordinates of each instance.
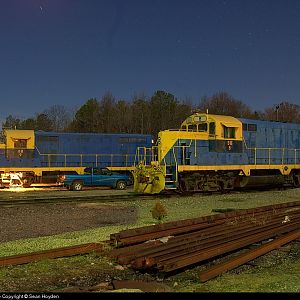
(59, 116)
(284, 112)
(224, 104)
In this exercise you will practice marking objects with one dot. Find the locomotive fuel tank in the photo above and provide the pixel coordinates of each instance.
(260, 181)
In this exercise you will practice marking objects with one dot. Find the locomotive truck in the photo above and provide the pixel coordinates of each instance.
(40, 157)
(221, 153)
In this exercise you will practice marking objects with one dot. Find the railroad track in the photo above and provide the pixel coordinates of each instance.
(75, 199)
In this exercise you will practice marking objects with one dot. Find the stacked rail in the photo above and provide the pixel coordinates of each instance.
(176, 245)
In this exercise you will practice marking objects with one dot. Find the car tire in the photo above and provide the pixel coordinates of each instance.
(76, 186)
(121, 185)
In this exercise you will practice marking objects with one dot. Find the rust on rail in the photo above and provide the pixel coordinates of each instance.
(178, 244)
(250, 255)
(53, 253)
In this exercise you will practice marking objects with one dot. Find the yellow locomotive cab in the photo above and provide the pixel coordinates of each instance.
(18, 139)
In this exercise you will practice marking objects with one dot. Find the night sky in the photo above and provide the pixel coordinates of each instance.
(67, 51)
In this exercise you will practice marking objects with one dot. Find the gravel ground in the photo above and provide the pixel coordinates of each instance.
(39, 220)
(43, 220)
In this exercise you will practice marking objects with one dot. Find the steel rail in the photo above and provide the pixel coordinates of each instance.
(53, 253)
(181, 223)
(176, 230)
(176, 241)
(219, 238)
(173, 251)
(250, 255)
(189, 259)
(203, 239)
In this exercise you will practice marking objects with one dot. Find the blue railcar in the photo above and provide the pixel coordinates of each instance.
(39, 155)
(214, 152)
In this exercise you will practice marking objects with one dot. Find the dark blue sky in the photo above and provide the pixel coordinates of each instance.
(67, 51)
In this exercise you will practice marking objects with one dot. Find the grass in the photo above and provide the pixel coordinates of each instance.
(274, 272)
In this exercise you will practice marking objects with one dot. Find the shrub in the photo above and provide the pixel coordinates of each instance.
(159, 211)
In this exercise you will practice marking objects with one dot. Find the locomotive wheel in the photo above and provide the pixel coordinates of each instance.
(121, 185)
(182, 186)
(28, 181)
(76, 186)
(296, 180)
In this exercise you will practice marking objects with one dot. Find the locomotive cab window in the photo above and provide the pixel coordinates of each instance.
(202, 127)
(229, 132)
(183, 127)
(20, 143)
(192, 127)
(212, 128)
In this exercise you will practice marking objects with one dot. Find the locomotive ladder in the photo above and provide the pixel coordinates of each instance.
(171, 177)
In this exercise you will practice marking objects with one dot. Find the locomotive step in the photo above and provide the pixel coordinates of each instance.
(171, 187)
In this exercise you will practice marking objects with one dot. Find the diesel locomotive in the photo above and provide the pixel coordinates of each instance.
(221, 153)
(39, 157)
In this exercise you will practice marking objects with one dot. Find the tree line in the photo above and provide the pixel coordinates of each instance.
(145, 115)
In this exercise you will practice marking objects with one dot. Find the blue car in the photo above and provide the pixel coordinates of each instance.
(95, 177)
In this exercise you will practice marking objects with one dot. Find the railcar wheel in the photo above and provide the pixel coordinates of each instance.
(76, 186)
(121, 185)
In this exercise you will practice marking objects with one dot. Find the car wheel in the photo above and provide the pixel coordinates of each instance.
(121, 185)
(76, 186)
